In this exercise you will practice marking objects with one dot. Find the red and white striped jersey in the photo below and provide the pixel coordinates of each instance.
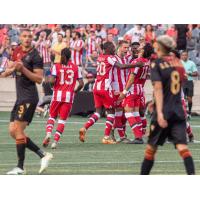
(104, 77)
(90, 45)
(120, 76)
(77, 56)
(4, 63)
(44, 51)
(66, 77)
(140, 78)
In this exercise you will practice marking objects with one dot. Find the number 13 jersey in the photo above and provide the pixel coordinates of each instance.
(103, 81)
(171, 73)
(66, 77)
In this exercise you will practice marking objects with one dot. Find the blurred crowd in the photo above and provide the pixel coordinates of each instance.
(85, 40)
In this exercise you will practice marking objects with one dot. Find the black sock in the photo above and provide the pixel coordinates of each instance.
(189, 165)
(146, 167)
(21, 154)
(189, 107)
(33, 147)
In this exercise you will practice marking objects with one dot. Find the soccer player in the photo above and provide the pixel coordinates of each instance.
(29, 67)
(64, 77)
(120, 77)
(168, 119)
(103, 92)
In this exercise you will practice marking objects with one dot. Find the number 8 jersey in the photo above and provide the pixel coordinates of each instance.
(104, 77)
(171, 73)
(66, 77)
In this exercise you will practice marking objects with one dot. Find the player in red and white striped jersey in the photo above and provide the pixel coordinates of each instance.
(76, 46)
(103, 92)
(120, 77)
(64, 76)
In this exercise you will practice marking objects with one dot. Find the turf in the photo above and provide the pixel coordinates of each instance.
(92, 157)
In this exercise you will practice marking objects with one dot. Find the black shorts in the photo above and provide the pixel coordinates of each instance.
(175, 132)
(23, 112)
(188, 89)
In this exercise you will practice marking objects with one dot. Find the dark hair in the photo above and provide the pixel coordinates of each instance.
(135, 43)
(25, 30)
(148, 25)
(148, 50)
(78, 34)
(176, 52)
(184, 51)
(109, 48)
(65, 56)
(60, 34)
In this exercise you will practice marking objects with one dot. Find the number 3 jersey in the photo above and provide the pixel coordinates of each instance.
(104, 79)
(171, 73)
(66, 77)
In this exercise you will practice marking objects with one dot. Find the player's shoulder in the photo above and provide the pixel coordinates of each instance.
(71, 65)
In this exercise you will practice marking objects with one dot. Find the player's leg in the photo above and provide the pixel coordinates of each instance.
(142, 114)
(93, 118)
(16, 130)
(108, 103)
(64, 112)
(187, 158)
(190, 95)
(53, 113)
(149, 158)
(179, 138)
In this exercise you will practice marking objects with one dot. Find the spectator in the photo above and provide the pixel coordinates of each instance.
(13, 33)
(43, 46)
(171, 31)
(88, 86)
(54, 35)
(135, 33)
(91, 62)
(100, 31)
(76, 46)
(90, 43)
(182, 32)
(57, 48)
(149, 34)
(188, 87)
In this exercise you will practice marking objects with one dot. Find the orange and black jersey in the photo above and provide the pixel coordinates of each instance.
(171, 73)
(26, 89)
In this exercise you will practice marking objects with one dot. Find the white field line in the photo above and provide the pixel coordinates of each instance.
(96, 162)
(69, 152)
(68, 122)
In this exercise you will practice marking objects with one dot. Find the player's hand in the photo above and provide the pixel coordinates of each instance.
(121, 97)
(161, 121)
(18, 66)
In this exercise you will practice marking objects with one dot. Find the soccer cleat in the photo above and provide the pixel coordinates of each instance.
(191, 138)
(112, 135)
(45, 162)
(108, 140)
(137, 141)
(124, 140)
(46, 140)
(54, 145)
(16, 171)
(82, 133)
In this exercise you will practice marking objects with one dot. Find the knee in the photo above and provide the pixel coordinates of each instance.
(183, 150)
(150, 152)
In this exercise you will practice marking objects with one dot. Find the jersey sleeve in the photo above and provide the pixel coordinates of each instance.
(80, 76)
(37, 61)
(54, 71)
(194, 67)
(111, 60)
(155, 72)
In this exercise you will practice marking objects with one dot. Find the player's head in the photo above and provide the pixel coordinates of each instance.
(78, 35)
(108, 48)
(65, 56)
(123, 47)
(60, 37)
(164, 45)
(135, 49)
(147, 50)
(175, 54)
(184, 55)
(26, 38)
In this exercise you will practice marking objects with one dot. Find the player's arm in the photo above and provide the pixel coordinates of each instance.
(8, 71)
(80, 85)
(194, 72)
(158, 94)
(127, 66)
(128, 86)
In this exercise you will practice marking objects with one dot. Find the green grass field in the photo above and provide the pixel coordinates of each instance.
(92, 157)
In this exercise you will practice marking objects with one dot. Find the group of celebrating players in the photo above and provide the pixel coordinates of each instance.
(118, 88)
